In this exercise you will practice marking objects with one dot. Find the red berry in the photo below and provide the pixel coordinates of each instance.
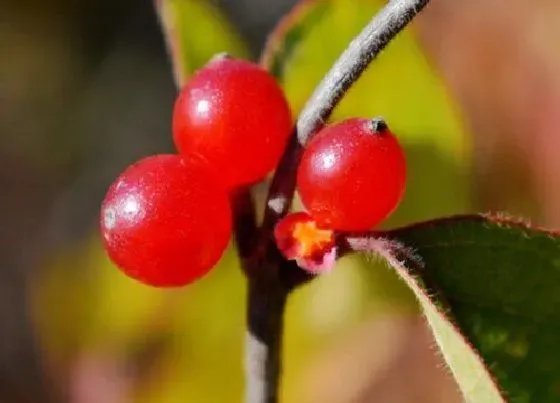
(352, 175)
(166, 221)
(234, 114)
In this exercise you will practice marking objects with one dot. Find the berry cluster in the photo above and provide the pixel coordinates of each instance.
(166, 220)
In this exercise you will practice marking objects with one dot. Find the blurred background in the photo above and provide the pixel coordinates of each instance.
(86, 88)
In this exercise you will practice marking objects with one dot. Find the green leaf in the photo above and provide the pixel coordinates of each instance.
(195, 31)
(499, 279)
(400, 85)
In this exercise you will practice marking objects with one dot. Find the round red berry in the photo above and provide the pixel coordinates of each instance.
(352, 175)
(234, 114)
(166, 220)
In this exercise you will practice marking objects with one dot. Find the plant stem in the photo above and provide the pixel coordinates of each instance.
(244, 222)
(264, 343)
(352, 63)
(348, 68)
(271, 278)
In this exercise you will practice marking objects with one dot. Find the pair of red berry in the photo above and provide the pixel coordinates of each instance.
(166, 220)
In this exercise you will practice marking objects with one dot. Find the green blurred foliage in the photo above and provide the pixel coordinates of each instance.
(200, 329)
(195, 31)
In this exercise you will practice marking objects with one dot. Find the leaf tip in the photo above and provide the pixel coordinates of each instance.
(274, 41)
